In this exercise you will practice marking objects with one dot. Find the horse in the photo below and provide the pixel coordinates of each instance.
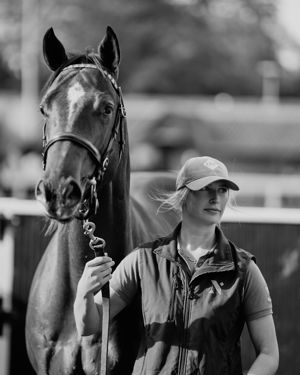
(86, 178)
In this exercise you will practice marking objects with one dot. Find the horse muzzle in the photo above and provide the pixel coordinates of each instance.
(61, 202)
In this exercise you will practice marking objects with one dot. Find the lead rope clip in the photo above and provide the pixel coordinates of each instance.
(97, 244)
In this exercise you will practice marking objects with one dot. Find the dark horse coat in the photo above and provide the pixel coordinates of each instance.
(83, 101)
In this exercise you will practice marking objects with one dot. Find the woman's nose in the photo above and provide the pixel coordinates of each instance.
(213, 196)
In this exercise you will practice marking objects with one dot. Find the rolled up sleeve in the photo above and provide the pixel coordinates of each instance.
(257, 300)
(125, 278)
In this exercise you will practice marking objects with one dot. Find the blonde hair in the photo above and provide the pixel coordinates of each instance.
(173, 201)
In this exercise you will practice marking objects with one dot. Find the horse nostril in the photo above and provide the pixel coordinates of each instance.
(40, 190)
(43, 192)
(71, 194)
(61, 201)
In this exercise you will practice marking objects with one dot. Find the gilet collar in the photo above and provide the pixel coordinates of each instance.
(219, 261)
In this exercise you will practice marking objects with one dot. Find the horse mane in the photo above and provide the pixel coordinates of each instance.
(51, 226)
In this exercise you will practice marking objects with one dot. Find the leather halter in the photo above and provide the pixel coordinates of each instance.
(101, 161)
(75, 139)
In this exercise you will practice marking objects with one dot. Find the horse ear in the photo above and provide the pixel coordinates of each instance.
(109, 51)
(53, 51)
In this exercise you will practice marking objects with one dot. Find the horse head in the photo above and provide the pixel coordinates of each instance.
(83, 110)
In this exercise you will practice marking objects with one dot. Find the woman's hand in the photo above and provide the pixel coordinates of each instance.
(97, 272)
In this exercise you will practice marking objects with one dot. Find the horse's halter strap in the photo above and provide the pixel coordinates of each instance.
(101, 161)
(75, 139)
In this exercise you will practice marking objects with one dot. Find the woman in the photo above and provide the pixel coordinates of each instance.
(196, 289)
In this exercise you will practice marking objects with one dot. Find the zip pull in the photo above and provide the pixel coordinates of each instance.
(217, 286)
(172, 306)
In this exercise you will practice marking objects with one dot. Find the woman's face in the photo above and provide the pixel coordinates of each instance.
(207, 205)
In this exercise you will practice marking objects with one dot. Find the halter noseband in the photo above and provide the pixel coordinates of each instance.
(75, 139)
(101, 161)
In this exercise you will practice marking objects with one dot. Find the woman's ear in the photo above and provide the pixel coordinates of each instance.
(53, 51)
(109, 52)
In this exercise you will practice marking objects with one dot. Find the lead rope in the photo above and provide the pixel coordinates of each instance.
(97, 244)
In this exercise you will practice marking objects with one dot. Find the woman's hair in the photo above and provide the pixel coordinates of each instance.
(172, 201)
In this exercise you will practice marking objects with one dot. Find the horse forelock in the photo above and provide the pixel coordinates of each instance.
(88, 58)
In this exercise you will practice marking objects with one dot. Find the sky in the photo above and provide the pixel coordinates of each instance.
(289, 14)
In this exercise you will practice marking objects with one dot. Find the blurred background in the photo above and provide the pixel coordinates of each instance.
(218, 77)
(199, 77)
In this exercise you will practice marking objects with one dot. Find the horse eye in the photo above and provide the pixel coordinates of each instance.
(103, 108)
(108, 110)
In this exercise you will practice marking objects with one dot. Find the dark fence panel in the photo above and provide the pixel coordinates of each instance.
(277, 250)
(276, 247)
(30, 242)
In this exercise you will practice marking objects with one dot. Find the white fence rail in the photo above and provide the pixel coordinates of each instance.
(10, 207)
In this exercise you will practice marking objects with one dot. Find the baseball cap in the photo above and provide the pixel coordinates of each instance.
(199, 172)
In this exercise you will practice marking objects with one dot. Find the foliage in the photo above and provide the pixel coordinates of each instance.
(168, 46)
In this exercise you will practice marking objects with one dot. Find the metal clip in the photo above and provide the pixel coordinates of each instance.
(97, 244)
(105, 164)
(44, 139)
(94, 194)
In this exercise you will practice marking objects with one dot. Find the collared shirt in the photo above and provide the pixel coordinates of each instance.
(190, 260)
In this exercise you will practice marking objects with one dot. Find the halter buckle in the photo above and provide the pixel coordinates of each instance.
(105, 164)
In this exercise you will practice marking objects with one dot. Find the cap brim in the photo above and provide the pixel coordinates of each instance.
(202, 182)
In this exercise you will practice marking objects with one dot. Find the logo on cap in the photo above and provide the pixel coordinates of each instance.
(211, 164)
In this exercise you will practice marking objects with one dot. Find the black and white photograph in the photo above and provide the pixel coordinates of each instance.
(149, 187)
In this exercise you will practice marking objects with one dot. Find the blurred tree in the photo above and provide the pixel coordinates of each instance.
(8, 80)
(3, 144)
(9, 44)
(168, 46)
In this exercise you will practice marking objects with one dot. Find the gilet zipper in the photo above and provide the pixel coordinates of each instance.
(172, 312)
(183, 351)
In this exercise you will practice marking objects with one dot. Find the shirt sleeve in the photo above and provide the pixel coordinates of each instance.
(257, 300)
(125, 279)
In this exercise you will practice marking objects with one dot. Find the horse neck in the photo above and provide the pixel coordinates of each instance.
(112, 219)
